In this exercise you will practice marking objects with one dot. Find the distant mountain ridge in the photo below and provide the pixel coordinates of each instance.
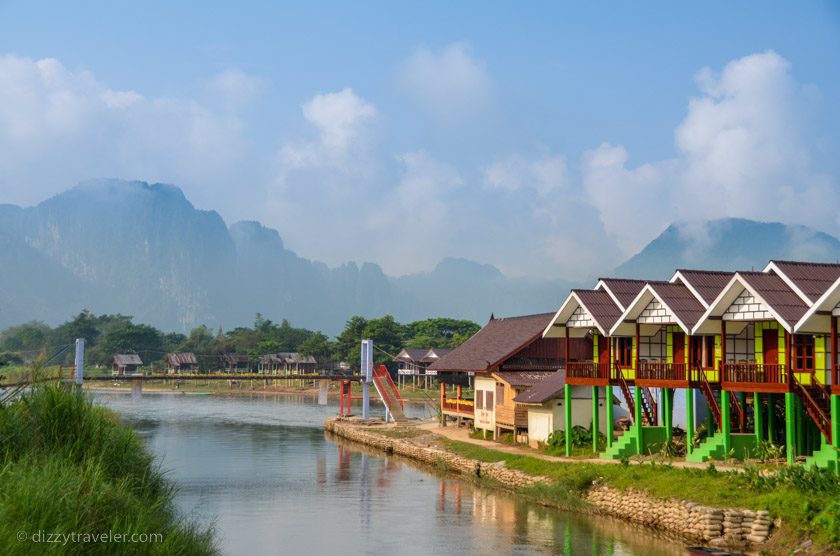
(116, 246)
(144, 250)
(728, 244)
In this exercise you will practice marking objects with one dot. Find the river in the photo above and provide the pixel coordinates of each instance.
(262, 472)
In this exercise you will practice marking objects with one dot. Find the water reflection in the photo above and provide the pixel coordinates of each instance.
(263, 471)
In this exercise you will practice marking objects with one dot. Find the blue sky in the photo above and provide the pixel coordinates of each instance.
(526, 136)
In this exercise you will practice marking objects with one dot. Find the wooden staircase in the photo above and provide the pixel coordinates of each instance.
(738, 421)
(817, 402)
(649, 410)
(388, 393)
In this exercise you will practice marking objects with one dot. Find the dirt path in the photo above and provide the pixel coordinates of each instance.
(462, 435)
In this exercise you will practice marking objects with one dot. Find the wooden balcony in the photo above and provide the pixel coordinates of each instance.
(509, 417)
(587, 373)
(754, 377)
(661, 374)
(463, 407)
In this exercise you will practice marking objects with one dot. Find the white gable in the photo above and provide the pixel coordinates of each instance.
(580, 319)
(747, 307)
(836, 311)
(655, 313)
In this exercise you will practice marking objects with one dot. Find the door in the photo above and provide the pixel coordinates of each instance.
(770, 341)
(603, 350)
(678, 340)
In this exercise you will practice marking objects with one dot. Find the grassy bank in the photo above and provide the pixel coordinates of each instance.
(67, 466)
(808, 502)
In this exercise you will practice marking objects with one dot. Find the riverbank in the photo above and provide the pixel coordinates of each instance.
(77, 480)
(791, 511)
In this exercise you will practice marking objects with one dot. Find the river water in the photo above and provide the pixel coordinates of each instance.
(261, 470)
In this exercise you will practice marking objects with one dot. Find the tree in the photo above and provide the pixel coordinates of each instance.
(29, 337)
(318, 346)
(350, 339)
(439, 332)
(388, 337)
(142, 339)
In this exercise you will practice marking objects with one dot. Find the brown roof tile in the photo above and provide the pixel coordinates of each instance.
(813, 279)
(777, 294)
(680, 300)
(708, 283)
(624, 289)
(547, 389)
(411, 354)
(500, 338)
(600, 307)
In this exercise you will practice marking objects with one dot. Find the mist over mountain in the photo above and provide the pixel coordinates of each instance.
(728, 244)
(115, 246)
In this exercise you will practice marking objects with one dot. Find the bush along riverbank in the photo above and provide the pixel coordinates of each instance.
(74, 480)
(769, 512)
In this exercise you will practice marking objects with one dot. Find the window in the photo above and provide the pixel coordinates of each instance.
(653, 348)
(624, 351)
(803, 352)
(488, 400)
(479, 399)
(709, 352)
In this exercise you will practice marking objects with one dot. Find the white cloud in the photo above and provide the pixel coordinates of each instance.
(449, 83)
(741, 152)
(545, 173)
(59, 126)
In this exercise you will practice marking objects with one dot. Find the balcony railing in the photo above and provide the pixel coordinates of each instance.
(660, 370)
(756, 373)
(463, 406)
(588, 370)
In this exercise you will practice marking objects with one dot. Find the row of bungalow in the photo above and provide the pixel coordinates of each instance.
(751, 356)
(184, 363)
(414, 363)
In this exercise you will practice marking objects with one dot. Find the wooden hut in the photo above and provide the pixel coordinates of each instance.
(181, 362)
(125, 364)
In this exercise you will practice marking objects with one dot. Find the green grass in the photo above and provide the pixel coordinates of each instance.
(808, 502)
(68, 466)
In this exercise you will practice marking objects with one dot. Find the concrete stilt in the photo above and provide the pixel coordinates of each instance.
(790, 427)
(567, 408)
(689, 420)
(595, 427)
(725, 421)
(609, 407)
(637, 418)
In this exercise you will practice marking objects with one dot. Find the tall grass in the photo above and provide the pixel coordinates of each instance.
(69, 466)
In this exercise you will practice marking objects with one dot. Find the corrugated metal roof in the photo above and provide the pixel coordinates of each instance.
(600, 307)
(777, 294)
(708, 283)
(813, 279)
(181, 359)
(523, 378)
(123, 359)
(498, 339)
(546, 389)
(680, 300)
(624, 289)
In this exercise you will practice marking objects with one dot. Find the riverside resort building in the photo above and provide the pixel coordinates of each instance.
(748, 357)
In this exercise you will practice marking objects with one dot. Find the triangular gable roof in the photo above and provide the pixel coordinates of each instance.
(622, 290)
(770, 293)
(661, 303)
(413, 355)
(809, 280)
(546, 389)
(497, 341)
(123, 359)
(817, 318)
(706, 285)
(590, 308)
(434, 354)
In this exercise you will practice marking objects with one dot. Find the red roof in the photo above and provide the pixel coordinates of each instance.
(812, 279)
(707, 283)
(680, 300)
(624, 289)
(498, 340)
(776, 293)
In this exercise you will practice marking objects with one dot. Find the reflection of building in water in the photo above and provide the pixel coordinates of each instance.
(343, 464)
(321, 470)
